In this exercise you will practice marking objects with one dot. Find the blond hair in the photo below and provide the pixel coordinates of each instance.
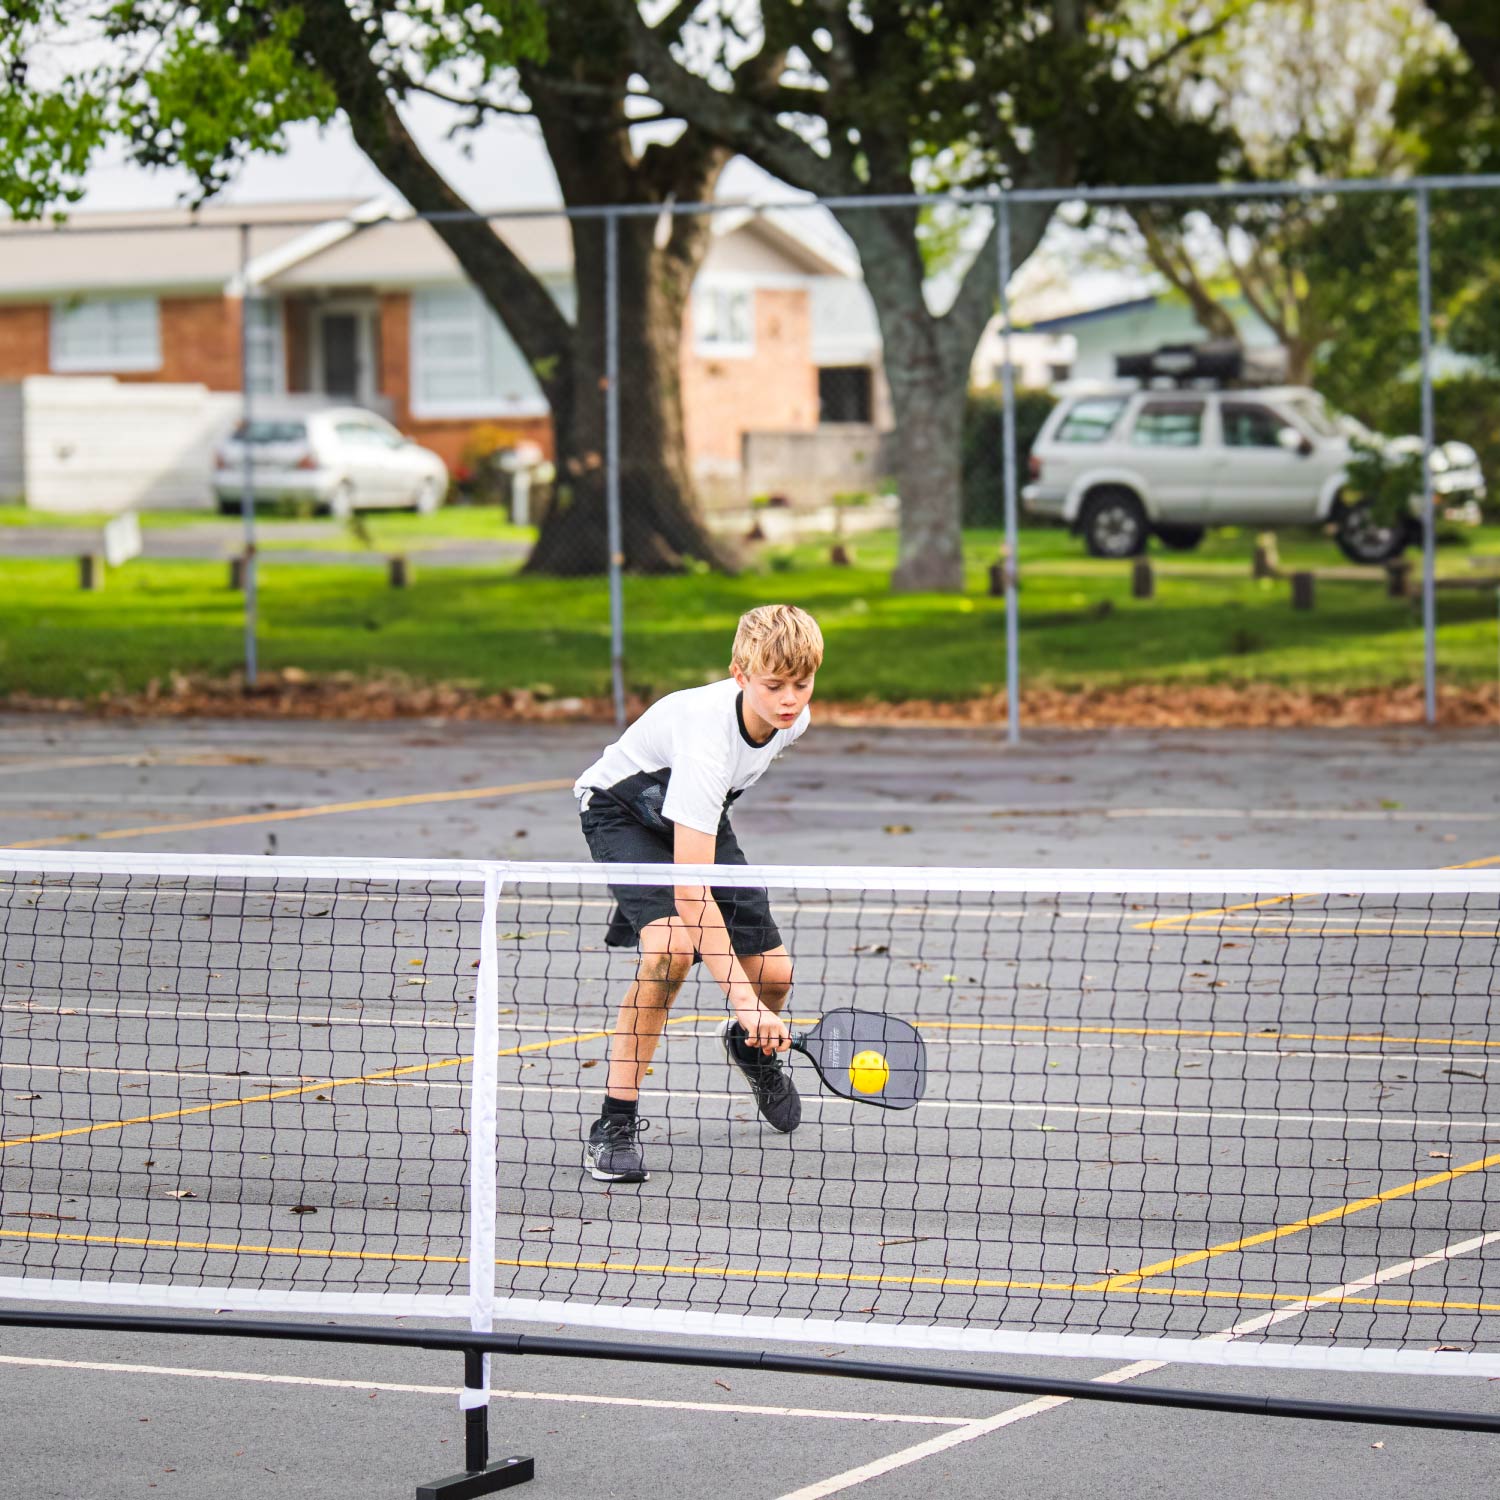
(778, 639)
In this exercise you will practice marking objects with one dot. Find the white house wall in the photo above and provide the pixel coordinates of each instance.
(96, 444)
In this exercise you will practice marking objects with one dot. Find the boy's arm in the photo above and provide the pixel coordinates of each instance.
(705, 923)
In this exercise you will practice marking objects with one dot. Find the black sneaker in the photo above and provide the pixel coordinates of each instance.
(775, 1094)
(613, 1152)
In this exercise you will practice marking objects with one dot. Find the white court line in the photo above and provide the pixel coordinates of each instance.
(1060, 1043)
(1270, 1117)
(941, 1444)
(654, 1404)
(1232, 814)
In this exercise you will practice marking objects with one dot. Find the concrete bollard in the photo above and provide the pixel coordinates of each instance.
(1303, 585)
(1142, 579)
(1267, 561)
(398, 570)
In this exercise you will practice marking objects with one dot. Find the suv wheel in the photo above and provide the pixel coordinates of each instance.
(1362, 539)
(1180, 538)
(1114, 525)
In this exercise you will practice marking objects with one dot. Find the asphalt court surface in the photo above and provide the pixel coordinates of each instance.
(1179, 1077)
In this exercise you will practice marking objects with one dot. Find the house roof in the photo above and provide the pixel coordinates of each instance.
(326, 243)
(1088, 315)
(180, 249)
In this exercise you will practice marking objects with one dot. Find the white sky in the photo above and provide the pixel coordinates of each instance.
(502, 165)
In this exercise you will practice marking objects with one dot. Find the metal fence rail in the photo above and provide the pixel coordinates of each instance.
(712, 382)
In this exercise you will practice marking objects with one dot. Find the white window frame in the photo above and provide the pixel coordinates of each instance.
(103, 359)
(704, 340)
(422, 366)
(266, 346)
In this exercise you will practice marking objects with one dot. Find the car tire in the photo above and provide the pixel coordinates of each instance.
(228, 507)
(1362, 540)
(341, 502)
(1180, 538)
(429, 498)
(1114, 524)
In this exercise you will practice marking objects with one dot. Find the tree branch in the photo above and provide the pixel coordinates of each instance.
(339, 47)
(740, 123)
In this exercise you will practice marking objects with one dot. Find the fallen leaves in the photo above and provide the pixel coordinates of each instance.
(296, 694)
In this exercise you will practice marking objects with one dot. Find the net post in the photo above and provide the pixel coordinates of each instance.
(480, 1477)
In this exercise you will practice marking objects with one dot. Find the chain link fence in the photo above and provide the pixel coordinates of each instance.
(686, 393)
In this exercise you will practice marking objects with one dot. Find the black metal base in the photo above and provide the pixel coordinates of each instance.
(486, 1481)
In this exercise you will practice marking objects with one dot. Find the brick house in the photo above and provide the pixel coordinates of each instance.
(361, 303)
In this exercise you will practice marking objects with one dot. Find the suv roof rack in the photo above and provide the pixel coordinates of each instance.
(1214, 364)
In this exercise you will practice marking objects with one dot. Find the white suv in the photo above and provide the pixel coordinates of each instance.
(1122, 465)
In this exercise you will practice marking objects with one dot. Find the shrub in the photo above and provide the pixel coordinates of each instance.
(983, 449)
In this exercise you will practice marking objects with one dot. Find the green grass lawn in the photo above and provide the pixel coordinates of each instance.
(489, 628)
(387, 531)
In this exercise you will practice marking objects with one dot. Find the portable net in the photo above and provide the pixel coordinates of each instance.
(1212, 1117)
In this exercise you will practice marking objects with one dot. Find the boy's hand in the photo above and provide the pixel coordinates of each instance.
(764, 1029)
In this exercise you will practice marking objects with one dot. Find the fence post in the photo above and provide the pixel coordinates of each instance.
(247, 490)
(612, 462)
(1428, 510)
(1012, 556)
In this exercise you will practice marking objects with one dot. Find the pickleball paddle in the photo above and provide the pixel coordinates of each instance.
(866, 1056)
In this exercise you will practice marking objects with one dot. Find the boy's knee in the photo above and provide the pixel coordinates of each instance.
(664, 973)
(774, 990)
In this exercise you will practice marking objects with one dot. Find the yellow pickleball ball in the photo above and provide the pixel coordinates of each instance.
(869, 1072)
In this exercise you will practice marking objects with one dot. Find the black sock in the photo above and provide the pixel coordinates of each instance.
(619, 1108)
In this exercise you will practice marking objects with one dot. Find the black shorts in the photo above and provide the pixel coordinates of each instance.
(614, 837)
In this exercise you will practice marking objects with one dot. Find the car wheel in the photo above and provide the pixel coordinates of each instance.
(1180, 538)
(429, 497)
(341, 502)
(228, 507)
(1114, 525)
(1362, 539)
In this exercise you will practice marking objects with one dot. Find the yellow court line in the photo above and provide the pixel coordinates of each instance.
(841, 1278)
(1223, 911)
(335, 1083)
(150, 1243)
(287, 815)
(1158, 923)
(1329, 1216)
(1242, 1036)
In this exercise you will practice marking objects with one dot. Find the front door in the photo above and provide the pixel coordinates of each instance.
(346, 349)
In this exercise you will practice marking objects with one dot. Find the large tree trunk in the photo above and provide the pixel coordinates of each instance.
(927, 360)
(588, 139)
(660, 523)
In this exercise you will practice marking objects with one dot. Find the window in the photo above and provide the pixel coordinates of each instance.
(844, 394)
(1091, 421)
(464, 363)
(1252, 427)
(1315, 412)
(106, 334)
(1169, 424)
(265, 362)
(271, 432)
(724, 320)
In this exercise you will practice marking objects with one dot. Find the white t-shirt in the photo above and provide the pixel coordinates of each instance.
(686, 758)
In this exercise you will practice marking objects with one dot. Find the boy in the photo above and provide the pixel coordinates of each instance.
(660, 795)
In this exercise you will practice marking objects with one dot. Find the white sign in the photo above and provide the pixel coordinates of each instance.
(122, 539)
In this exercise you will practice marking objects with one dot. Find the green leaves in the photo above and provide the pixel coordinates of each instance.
(201, 87)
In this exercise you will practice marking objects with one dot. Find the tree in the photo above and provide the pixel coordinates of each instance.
(889, 96)
(203, 86)
(1309, 91)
